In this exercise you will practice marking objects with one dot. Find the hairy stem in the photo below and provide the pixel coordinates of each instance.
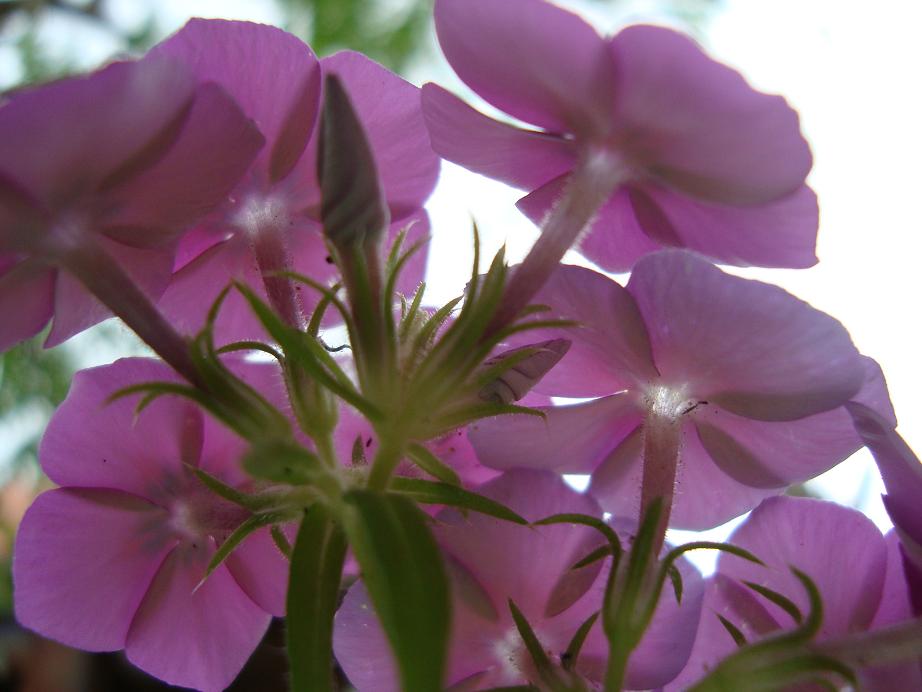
(661, 438)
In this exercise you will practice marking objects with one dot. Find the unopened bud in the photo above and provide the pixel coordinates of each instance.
(353, 209)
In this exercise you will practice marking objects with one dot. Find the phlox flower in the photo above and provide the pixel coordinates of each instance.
(111, 559)
(116, 163)
(753, 379)
(272, 219)
(857, 570)
(670, 147)
(490, 562)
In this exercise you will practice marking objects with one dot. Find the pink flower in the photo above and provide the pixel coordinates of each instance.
(272, 221)
(492, 561)
(857, 570)
(679, 149)
(111, 559)
(753, 378)
(117, 162)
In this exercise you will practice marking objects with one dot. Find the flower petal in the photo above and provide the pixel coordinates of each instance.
(214, 149)
(273, 75)
(194, 637)
(26, 301)
(531, 59)
(74, 133)
(610, 350)
(67, 541)
(818, 538)
(360, 645)
(781, 233)
(261, 570)
(749, 347)
(522, 158)
(697, 124)
(93, 443)
(570, 439)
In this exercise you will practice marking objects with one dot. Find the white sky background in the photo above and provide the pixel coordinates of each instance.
(852, 70)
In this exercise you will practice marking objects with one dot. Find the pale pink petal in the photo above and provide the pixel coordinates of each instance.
(521, 563)
(531, 59)
(391, 114)
(76, 309)
(83, 562)
(96, 444)
(749, 347)
(698, 125)
(195, 638)
(360, 645)
(705, 496)
(818, 538)
(26, 301)
(610, 350)
(780, 233)
(215, 147)
(570, 439)
(261, 570)
(521, 158)
(195, 287)
(273, 75)
(74, 133)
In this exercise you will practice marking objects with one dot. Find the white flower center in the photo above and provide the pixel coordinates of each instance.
(668, 401)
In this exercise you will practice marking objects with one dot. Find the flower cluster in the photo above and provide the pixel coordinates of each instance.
(400, 502)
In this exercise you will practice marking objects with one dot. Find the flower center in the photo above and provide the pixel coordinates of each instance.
(258, 212)
(668, 401)
(196, 512)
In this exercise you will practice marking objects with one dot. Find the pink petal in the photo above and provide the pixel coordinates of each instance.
(273, 75)
(83, 562)
(697, 124)
(610, 350)
(76, 309)
(531, 59)
(774, 454)
(898, 465)
(195, 638)
(494, 551)
(194, 288)
(360, 645)
(570, 439)
(818, 538)
(74, 133)
(391, 113)
(26, 301)
(215, 147)
(261, 570)
(705, 496)
(522, 158)
(92, 443)
(781, 233)
(749, 347)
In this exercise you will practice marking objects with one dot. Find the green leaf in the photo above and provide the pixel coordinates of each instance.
(436, 493)
(313, 591)
(676, 578)
(586, 520)
(281, 541)
(405, 576)
(229, 493)
(251, 346)
(596, 555)
(432, 465)
(231, 542)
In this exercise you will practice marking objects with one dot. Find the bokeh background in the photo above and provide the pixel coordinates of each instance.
(851, 68)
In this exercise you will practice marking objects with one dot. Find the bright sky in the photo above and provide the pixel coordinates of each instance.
(850, 68)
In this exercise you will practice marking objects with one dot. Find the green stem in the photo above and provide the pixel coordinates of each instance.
(386, 460)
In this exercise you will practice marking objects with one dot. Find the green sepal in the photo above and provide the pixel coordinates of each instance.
(254, 523)
(570, 656)
(586, 520)
(437, 493)
(536, 651)
(406, 579)
(283, 461)
(738, 637)
(780, 600)
(229, 493)
(676, 578)
(598, 554)
(281, 541)
(431, 464)
(237, 346)
(313, 595)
